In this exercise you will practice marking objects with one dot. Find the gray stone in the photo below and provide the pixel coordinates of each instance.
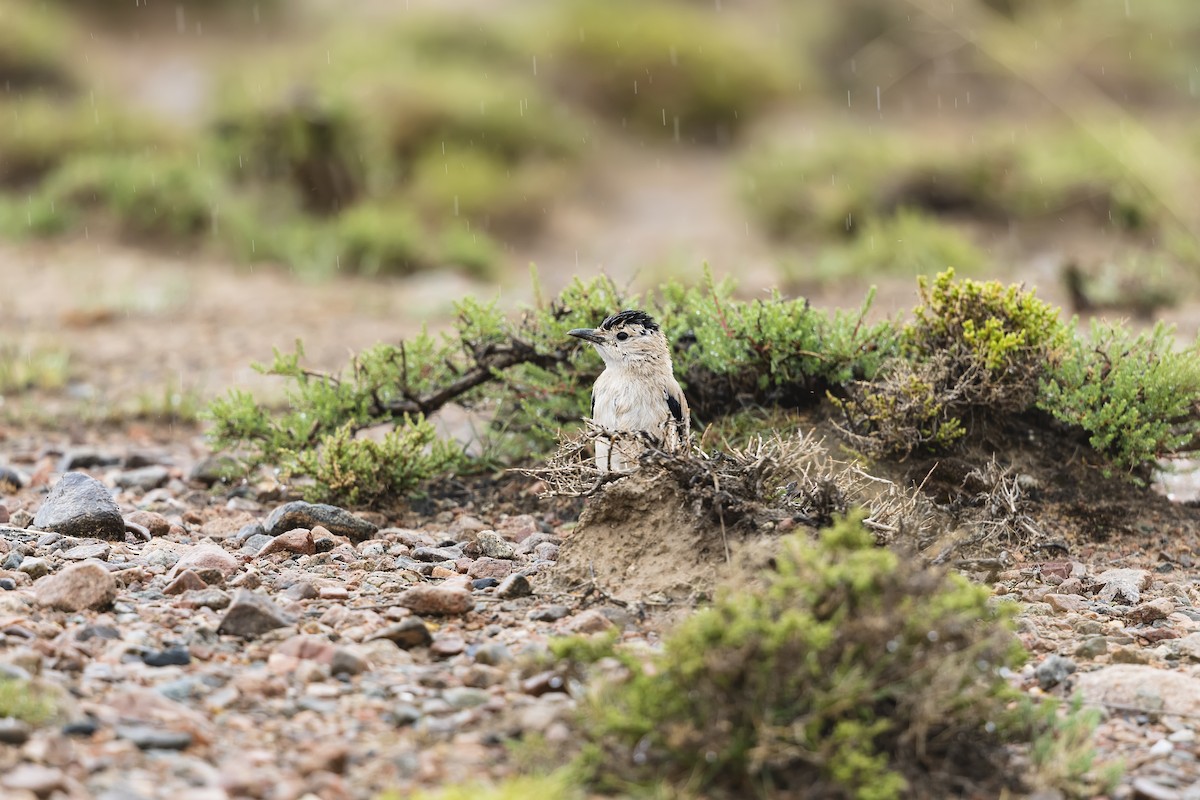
(97, 550)
(1091, 647)
(256, 543)
(549, 613)
(299, 514)
(465, 697)
(84, 585)
(251, 615)
(1123, 585)
(150, 738)
(437, 555)
(9, 477)
(1053, 671)
(14, 731)
(1143, 688)
(86, 458)
(81, 506)
(33, 567)
(493, 545)
(144, 478)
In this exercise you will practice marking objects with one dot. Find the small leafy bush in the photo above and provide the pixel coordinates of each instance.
(378, 239)
(971, 347)
(851, 672)
(1135, 395)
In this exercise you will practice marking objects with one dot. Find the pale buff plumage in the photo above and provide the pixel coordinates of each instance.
(637, 394)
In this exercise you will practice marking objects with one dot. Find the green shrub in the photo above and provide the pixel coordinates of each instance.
(555, 786)
(369, 472)
(852, 672)
(164, 197)
(471, 249)
(973, 348)
(1135, 395)
(24, 368)
(666, 68)
(906, 243)
(381, 240)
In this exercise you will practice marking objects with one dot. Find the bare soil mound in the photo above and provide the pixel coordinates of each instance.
(640, 540)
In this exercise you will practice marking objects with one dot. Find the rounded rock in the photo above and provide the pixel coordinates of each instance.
(79, 505)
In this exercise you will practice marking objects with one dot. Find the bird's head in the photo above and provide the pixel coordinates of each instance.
(628, 337)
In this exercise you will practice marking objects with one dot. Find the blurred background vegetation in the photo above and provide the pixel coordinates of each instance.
(801, 142)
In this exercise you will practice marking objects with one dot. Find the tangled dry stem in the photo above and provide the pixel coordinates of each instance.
(766, 480)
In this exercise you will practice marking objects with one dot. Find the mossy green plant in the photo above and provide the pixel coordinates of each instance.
(1133, 394)
(846, 673)
(26, 701)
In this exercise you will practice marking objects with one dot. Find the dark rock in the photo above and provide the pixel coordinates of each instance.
(407, 633)
(493, 654)
(144, 478)
(347, 662)
(14, 731)
(103, 632)
(251, 615)
(12, 561)
(301, 590)
(256, 543)
(299, 514)
(150, 738)
(1053, 671)
(515, 585)
(136, 459)
(7, 584)
(10, 480)
(170, 657)
(85, 726)
(84, 585)
(199, 598)
(484, 583)
(549, 613)
(216, 469)
(81, 506)
(83, 458)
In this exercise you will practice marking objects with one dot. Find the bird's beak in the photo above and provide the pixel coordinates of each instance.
(586, 333)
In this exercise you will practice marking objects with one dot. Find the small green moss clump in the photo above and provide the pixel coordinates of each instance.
(23, 700)
(1134, 395)
(850, 673)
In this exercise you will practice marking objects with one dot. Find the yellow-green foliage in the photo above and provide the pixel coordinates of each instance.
(38, 133)
(847, 674)
(24, 367)
(35, 46)
(555, 786)
(23, 700)
(973, 348)
(668, 68)
(1134, 395)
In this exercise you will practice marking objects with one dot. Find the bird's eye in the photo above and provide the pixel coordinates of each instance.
(622, 336)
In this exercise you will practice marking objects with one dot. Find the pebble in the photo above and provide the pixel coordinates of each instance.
(299, 514)
(97, 550)
(447, 645)
(14, 731)
(250, 615)
(10, 481)
(493, 545)
(297, 540)
(1053, 671)
(33, 567)
(593, 621)
(41, 781)
(407, 633)
(1091, 647)
(144, 478)
(171, 656)
(515, 585)
(551, 613)
(1123, 585)
(486, 567)
(152, 521)
(80, 505)
(1066, 602)
(465, 697)
(184, 582)
(146, 737)
(1157, 609)
(206, 559)
(436, 600)
(78, 586)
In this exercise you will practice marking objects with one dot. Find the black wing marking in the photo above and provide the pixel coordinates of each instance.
(593, 414)
(676, 408)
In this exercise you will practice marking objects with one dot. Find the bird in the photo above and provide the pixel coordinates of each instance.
(637, 393)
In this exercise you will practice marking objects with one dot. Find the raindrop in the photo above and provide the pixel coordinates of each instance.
(180, 20)
(893, 645)
(635, 85)
(878, 100)
(676, 129)
(847, 98)
(456, 205)
(932, 636)
(535, 65)
(664, 117)
(674, 57)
